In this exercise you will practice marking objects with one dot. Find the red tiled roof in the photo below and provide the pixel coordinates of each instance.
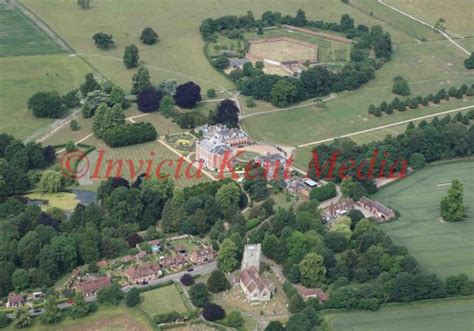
(143, 271)
(252, 280)
(94, 284)
(313, 292)
(14, 298)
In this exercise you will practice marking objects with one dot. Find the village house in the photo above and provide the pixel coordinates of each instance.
(334, 210)
(173, 262)
(140, 255)
(381, 212)
(256, 288)
(14, 300)
(203, 255)
(142, 274)
(91, 287)
(102, 263)
(317, 293)
(216, 142)
(127, 258)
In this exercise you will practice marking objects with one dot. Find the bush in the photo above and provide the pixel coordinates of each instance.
(250, 102)
(70, 99)
(46, 104)
(211, 93)
(111, 294)
(133, 297)
(213, 312)
(74, 125)
(4, 321)
(235, 319)
(103, 40)
(166, 318)
(130, 134)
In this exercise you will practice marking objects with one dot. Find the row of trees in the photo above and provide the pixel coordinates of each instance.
(415, 102)
(439, 140)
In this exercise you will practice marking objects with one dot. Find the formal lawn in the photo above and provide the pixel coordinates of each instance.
(107, 318)
(22, 76)
(440, 247)
(455, 12)
(20, 36)
(161, 301)
(436, 315)
(179, 54)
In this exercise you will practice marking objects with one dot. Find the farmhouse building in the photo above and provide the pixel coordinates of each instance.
(255, 287)
(14, 300)
(381, 212)
(301, 186)
(91, 287)
(203, 255)
(143, 273)
(334, 210)
(317, 293)
(218, 141)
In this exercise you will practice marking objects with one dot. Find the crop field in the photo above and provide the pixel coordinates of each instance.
(161, 301)
(458, 19)
(440, 247)
(20, 36)
(434, 315)
(179, 55)
(22, 76)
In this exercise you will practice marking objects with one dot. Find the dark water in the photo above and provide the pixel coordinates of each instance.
(85, 197)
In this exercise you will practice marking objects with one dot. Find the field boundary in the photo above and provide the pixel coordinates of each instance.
(38, 22)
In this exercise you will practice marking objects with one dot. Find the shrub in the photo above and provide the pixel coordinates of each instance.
(70, 99)
(133, 297)
(250, 102)
(211, 93)
(235, 319)
(323, 192)
(74, 125)
(103, 40)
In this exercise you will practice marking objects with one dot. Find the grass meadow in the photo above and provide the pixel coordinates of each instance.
(440, 247)
(22, 76)
(458, 18)
(434, 315)
(20, 36)
(107, 318)
(179, 55)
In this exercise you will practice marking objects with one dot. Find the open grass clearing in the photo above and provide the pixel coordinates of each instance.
(22, 76)
(107, 318)
(20, 36)
(440, 247)
(434, 315)
(62, 200)
(179, 55)
(456, 13)
(161, 301)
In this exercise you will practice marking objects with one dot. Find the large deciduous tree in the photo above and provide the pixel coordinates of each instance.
(103, 40)
(149, 36)
(217, 282)
(228, 113)
(140, 80)
(89, 85)
(452, 205)
(52, 181)
(227, 259)
(148, 100)
(199, 295)
(46, 104)
(107, 118)
(312, 270)
(187, 95)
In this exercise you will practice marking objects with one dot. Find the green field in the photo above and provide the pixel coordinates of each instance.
(458, 18)
(436, 315)
(161, 301)
(440, 247)
(179, 55)
(107, 318)
(20, 36)
(22, 76)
